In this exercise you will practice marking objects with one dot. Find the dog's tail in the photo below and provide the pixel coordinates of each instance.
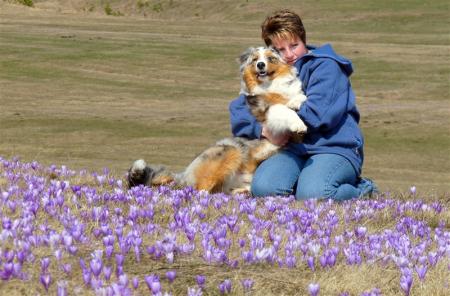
(142, 174)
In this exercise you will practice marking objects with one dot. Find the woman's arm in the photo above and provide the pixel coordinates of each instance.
(243, 123)
(328, 92)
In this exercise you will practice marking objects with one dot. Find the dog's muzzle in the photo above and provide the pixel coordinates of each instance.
(261, 67)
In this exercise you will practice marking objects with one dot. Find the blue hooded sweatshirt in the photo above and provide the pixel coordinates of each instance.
(329, 112)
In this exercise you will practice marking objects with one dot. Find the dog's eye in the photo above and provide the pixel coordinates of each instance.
(254, 60)
(272, 60)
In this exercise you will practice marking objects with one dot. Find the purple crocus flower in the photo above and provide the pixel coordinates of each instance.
(45, 262)
(119, 270)
(73, 249)
(153, 283)
(310, 262)
(135, 282)
(7, 271)
(67, 268)
(313, 289)
(171, 275)
(82, 264)
(194, 292)
(150, 250)
(62, 288)
(201, 279)
(360, 231)
(86, 277)
(432, 258)
(247, 284)
(421, 271)
(323, 260)
(406, 283)
(46, 280)
(96, 266)
(107, 272)
(290, 261)
(21, 256)
(123, 280)
(119, 259)
(96, 283)
(225, 287)
(58, 254)
(109, 250)
(67, 239)
(331, 260)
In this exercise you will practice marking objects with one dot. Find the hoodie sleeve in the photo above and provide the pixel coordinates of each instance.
(243, 123)
(327, 92)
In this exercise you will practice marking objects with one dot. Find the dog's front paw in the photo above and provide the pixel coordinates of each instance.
(244, 190)
(257, 90)
(298, 127)
(296, 102)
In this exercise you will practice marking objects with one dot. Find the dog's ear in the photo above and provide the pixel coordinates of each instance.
(276, 52)
(244, 56)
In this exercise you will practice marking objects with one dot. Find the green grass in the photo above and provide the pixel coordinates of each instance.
(89, 90)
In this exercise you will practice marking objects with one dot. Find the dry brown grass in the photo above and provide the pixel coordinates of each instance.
(269, 279)
(91, 91)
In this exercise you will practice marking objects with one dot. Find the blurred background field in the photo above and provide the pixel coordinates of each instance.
(90, 84)
(93, 84)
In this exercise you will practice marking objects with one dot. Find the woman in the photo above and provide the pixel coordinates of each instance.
(327, 164)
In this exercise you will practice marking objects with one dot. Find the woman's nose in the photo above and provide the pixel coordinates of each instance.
(288, 53)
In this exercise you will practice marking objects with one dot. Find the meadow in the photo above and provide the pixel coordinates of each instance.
(89, 90)
(86, 87)
(70, 232)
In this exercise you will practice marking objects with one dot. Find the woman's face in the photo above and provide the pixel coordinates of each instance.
(290, 49)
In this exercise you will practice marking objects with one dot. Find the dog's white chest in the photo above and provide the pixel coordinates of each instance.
(288, 86)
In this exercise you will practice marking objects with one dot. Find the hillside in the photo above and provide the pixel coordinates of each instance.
(93, 84)
(159, 9)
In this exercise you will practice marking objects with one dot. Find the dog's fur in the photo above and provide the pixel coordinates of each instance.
(273, 93)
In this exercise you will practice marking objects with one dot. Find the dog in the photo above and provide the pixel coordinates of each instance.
(274, 94)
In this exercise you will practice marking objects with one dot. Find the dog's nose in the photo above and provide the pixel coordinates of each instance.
(260, 65)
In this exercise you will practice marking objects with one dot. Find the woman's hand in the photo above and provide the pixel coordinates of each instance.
(279, 139)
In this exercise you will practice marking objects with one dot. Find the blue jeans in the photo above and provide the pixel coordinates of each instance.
(316, 176)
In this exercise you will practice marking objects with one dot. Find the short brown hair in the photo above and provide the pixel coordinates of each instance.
(282, 24)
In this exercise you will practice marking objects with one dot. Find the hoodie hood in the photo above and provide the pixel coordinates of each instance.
(326, 51)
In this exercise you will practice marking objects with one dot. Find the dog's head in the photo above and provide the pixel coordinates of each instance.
(259, 65)
(263, 62)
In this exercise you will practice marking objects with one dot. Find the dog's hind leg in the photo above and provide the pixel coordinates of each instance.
(217, 166)
(162, 179)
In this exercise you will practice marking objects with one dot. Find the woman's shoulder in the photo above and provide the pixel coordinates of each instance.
(318, 65)
(325, 57)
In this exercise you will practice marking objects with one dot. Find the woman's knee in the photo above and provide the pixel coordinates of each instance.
(326, 176)
(276, 176)
(263, 185)
(261, 188)
(314, 191)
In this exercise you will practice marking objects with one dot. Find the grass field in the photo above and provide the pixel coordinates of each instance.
(90, 90)
(93, 84)
(69, 232)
